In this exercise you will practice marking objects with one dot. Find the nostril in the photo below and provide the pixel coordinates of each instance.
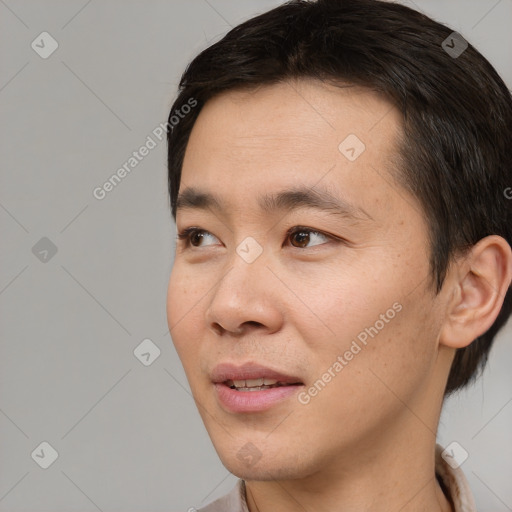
(254, 323)
(217, 328)
(242, 329)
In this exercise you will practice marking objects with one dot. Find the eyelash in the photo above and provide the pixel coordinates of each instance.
(187, 233)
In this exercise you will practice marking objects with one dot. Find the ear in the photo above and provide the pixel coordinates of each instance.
(478, 284)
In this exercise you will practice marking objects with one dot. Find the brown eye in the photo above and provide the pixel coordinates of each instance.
(193, 236)
(196, 237)
(303, 236)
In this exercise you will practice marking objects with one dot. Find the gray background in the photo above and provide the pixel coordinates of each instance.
(128, 435)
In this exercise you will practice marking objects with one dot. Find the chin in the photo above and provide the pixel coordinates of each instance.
(250, 464)
(264, 472)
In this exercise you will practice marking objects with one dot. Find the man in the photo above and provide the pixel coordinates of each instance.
(344, 259)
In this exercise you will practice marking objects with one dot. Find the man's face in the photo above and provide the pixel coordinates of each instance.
(339, 310)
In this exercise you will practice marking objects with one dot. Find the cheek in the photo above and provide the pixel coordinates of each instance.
(373, 381)
(371, 320)
(183, 310)
(390, 357)
(334, 304)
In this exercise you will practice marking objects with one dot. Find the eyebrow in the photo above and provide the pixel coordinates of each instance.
(193, 198)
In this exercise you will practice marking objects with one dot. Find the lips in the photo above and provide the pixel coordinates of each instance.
(252, 388)
(251, 375)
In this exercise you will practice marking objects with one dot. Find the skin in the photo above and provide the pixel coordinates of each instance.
(366, 440)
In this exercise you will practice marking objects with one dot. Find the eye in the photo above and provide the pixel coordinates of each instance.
(193, 236)
(303, 236)
(300, 234)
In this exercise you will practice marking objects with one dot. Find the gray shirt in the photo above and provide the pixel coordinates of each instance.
(453, 481)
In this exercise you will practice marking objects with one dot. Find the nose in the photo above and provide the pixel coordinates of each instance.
(245, 300)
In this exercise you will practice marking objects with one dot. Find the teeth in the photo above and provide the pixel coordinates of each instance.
(253, 384)
(257, 388)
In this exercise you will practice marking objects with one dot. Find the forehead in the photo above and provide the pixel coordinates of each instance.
(247, 143)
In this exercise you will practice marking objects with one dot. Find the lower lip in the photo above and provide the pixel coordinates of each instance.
(253, 401)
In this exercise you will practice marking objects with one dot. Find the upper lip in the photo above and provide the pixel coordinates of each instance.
(228, 371)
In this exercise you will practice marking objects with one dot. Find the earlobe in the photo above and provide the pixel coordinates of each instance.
(480, 282)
